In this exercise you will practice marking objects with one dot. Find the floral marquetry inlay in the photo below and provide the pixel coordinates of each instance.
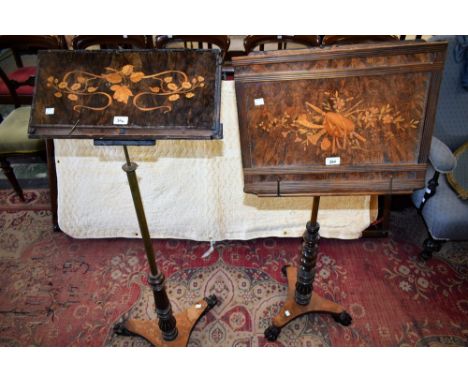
(343, 124)
(124, 85)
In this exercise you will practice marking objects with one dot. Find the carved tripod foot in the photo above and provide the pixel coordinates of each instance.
(186, 321)
(292, 310)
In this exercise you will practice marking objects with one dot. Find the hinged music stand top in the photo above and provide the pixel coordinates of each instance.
(127, 95)
(345, 120)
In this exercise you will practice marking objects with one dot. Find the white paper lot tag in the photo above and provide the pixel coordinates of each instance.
(332, 161)
(259, 102)
(120, 120)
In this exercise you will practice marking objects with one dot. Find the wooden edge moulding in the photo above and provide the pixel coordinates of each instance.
(341, 120)
(130, 94)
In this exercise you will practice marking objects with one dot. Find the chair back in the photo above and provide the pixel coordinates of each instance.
(17, 80)
(280, 42)
(451, 125)
(343, 40)
(112, 42)
(194, 42)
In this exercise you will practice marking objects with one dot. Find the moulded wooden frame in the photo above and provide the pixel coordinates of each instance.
(164, 93)
(274, 91)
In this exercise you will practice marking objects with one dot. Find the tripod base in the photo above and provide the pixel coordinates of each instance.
(291, 310)
(186, 320)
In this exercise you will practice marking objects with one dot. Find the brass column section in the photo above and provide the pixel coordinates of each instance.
(306, 269)
(167, 322)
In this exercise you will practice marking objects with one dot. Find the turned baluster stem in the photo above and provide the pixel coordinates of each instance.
(308, 260)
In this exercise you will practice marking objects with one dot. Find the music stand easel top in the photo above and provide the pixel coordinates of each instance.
(345, 120)
(127, 95)
(127, 98)
(348, 120)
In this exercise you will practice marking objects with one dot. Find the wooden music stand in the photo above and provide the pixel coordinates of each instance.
(353, 120)
(132, 98)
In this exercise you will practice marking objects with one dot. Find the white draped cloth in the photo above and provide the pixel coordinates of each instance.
(190, 190)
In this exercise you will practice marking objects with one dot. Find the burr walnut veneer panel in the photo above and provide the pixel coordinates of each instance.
(340, 120)
(132, 94)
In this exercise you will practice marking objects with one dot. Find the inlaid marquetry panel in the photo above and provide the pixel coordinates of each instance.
(127, 94)
(355, 119)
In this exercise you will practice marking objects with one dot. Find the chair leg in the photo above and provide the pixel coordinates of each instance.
(8, 171)
(430, 245)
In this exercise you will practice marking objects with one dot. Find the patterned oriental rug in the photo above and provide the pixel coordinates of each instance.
(58, 291)
(35, 200)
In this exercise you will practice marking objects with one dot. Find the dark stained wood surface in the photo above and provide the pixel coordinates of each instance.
(356, 39)
(165, 94)
(252, 42)
(112, 42)
(370, 105)
(221, 42)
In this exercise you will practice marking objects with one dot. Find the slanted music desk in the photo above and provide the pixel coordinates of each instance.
(133, 97)
(351, 120)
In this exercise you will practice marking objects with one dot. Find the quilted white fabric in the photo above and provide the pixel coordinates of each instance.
(190, 190)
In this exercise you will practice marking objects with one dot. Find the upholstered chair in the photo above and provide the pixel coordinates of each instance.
(14, 141)
(443, 210)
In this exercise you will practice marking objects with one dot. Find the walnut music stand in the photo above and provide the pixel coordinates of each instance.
(352, 120)
(133, 98)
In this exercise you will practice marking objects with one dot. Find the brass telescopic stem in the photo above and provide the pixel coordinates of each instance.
(130, 168)
(167, 321)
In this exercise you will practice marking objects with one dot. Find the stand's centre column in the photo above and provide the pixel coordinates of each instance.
(167, 322)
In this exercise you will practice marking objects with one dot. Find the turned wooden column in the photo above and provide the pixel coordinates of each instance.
(308, 260)
(301, 298)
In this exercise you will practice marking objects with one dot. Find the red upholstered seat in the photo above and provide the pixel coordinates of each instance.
(20, 75)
